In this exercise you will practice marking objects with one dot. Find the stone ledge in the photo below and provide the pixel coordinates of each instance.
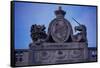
(57, 46)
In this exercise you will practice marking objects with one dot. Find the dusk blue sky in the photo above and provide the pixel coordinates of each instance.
(27, 14)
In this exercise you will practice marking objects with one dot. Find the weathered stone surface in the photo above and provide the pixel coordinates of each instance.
(60, 30)
(52, 53)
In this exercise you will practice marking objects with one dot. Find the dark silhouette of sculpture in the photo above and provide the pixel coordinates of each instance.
(60, 30)
(38, 32)
(81, 36)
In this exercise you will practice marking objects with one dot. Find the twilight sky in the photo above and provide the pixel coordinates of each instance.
(27, 14)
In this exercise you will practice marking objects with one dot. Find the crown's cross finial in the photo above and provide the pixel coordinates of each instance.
(60, 8)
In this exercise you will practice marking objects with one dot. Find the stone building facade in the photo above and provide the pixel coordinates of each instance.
(22, 61)
(57, 46)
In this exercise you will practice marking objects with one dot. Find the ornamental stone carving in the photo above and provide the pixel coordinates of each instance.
(59, 44)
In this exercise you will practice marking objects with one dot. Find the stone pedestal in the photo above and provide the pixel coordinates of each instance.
(55, 53)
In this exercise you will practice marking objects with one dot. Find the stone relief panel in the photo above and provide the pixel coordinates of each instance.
(58, 56)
